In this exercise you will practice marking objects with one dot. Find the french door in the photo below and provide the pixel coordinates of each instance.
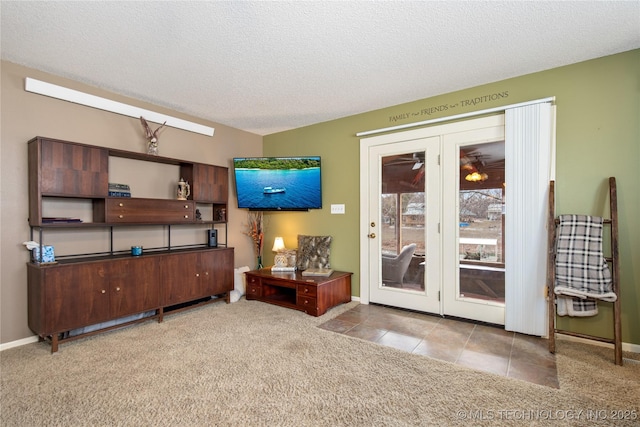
(405, 213)
(413, 199)
(473, 245)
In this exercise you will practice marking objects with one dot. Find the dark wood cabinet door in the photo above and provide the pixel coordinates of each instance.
(180, 278)
(134, 286)
(76, 295)
(75, 170)
(210, 183)
(217, 271)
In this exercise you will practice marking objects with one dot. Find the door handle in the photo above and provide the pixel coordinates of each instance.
(372, 235)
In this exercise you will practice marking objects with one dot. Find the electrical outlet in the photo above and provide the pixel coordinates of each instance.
(337, 209)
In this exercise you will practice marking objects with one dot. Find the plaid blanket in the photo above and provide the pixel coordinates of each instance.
(582, 273)
(576, 307)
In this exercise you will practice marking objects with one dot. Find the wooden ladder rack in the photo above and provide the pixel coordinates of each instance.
(613, 260)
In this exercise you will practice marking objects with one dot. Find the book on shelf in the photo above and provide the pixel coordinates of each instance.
(276, 269)
(119, 187)
(119, 193)
(59, 220)
(321, 272)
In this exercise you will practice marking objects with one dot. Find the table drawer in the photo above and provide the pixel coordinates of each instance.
(254, 288)
(308, 290)
(308, 304)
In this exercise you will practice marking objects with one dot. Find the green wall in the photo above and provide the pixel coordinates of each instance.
(598, 135)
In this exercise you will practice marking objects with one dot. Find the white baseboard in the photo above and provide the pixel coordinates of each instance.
(632, 348)
(18, 343)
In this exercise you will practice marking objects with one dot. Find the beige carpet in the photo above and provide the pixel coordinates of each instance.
(255, 364)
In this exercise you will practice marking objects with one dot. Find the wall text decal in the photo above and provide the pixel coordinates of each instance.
(428, 111)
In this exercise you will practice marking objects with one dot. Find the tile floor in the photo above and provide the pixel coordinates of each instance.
(478, 346)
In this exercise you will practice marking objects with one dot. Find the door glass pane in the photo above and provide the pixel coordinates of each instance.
(402, 206)
(481, 222)
(389, 207)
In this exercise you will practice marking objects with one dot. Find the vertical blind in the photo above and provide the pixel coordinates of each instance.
(529, 152)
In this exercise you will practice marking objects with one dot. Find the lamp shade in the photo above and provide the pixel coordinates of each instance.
(278, 244)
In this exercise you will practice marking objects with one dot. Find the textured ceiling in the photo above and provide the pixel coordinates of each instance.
(265, 66)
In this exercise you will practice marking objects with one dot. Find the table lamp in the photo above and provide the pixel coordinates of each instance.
(280, 260)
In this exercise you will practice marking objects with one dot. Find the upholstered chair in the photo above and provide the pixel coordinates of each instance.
(395, 267)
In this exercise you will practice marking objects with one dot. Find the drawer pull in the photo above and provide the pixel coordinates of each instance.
(197, 274)
(186, 206)
(186, 216)
(120, 216)
(121, 204)
(103, 291)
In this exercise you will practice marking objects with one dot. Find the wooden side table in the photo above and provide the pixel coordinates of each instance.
(313, 295)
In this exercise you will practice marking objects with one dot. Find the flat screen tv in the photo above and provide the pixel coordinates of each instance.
(278, 183)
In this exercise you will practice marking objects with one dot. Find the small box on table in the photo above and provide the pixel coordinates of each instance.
(47, 254)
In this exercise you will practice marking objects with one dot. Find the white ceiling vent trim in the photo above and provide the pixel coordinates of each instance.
(77, 97)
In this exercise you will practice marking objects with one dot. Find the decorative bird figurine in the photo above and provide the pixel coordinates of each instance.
(152, 136)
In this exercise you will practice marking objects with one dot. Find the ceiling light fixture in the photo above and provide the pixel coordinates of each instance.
(476, 177)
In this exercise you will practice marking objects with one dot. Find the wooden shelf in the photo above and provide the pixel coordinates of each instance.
(84, 290)
(64, 169)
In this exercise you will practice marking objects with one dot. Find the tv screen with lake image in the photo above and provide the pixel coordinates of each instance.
(278, 183)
